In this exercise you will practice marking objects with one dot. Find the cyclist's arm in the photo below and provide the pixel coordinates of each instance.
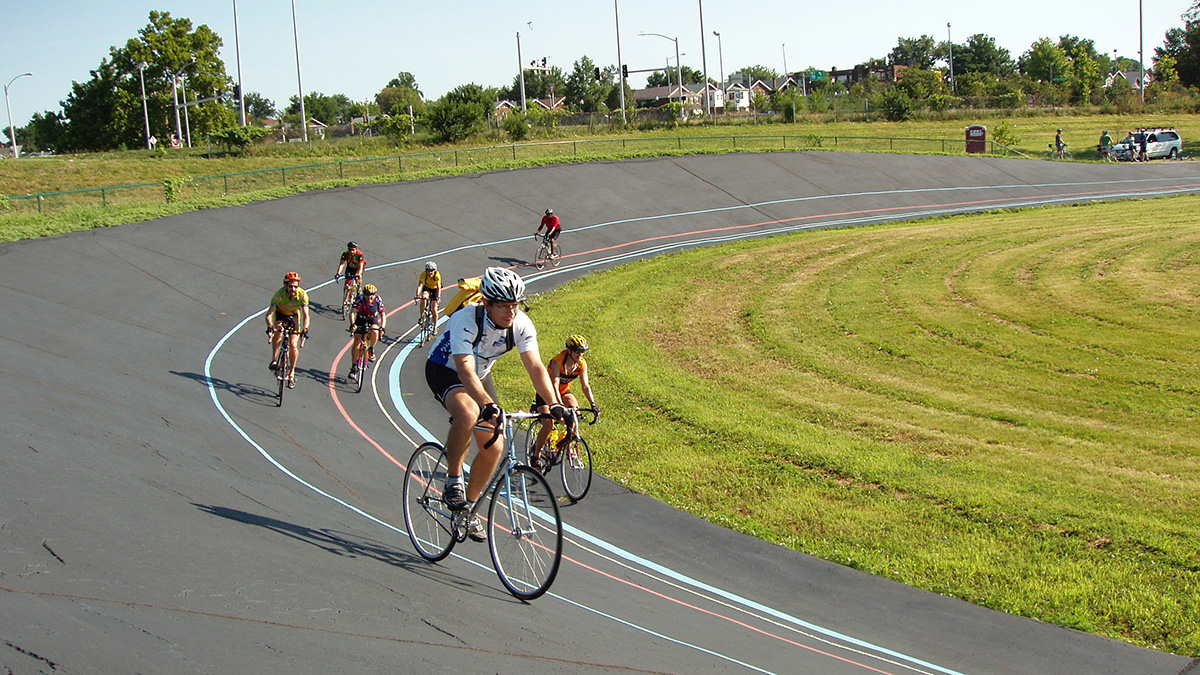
(539, 376)
(554, 370)
(304, 318)
(271, 316)
(382, 317)
(586, 386)
(341, 267)
(465, 365)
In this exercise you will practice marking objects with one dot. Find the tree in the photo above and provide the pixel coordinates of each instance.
(752, 74)
(405, 80)
(334, 109)
(667, 77)
(1045, 60)
(258, 107)
(582, 89)
(461, 113)
(239, 138)
(395, 100)
(538, 84)
(915, 52)
(920, 84)
(1182, 48)
(981, 55)
(105, 111)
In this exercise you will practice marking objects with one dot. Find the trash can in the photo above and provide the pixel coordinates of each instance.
(977, 139)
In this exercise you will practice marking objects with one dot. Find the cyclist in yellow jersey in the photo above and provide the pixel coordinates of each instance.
(429, 288)
(289, 306)
(566, 367)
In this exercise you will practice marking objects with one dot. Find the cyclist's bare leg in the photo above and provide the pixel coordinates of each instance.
(464, 412)
(294, 345)
(547, 425)
(276, 340)
(373, 337)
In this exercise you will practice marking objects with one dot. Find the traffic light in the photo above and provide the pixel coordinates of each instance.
(624, 71)
(237, 92)
(597, 73)
(543, 62)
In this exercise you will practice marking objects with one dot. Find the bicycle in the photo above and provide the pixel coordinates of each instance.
(283, 362)
(542, 255)
(348, 296)
(426, 325)
(524, 526)
(565, 447)
(363, 360)
(1052, 153)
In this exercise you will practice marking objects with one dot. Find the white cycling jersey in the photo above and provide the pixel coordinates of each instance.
(459, 338)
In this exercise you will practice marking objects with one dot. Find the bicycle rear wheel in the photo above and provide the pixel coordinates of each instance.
(539, 258)
(525, 533)
(427, 517)
(577, 469)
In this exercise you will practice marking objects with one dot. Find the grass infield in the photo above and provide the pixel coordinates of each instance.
(1000, 408)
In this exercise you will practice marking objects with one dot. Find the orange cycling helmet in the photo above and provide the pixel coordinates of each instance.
(291, 276)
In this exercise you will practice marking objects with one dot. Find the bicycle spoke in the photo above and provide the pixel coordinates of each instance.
(426, 516)
(525, 533)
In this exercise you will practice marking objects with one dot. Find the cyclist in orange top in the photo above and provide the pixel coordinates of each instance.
(566, 367)
(429, 288)
(352, 264)
(289, 305)
(553, 227)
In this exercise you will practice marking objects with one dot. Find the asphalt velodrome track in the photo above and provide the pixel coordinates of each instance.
(158, 513)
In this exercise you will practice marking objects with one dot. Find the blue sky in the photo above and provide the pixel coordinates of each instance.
(355, 47)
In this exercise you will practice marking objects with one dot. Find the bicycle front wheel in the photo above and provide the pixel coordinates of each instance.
(577, 469)
(362, 370)
(281, 370)
(558, 254)
(427, 517)
(525, 533)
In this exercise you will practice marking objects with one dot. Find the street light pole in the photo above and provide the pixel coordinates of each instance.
(12, 132)
(237, 48)
(620, 67)
(145, 110)
(521, 70)
(950, 44)
(704, 64)
(785, 71)
(678, 66)
(721, 60)
(299, 81)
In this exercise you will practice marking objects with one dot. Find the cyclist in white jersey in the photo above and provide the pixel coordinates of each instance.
(459, 374)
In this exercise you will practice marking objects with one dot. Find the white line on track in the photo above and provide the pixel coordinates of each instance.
(640, 564)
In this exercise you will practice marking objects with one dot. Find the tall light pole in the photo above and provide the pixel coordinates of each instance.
(704, 63)
(237, 48)
(620, 66)
(950, 44)
(521, 70)
(721, 60)
(12, 132)
(678, 67)
(299, 82)
(785, 72)
(1141, 57)
(145, 110)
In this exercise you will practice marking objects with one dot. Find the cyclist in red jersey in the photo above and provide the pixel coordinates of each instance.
(553, 227)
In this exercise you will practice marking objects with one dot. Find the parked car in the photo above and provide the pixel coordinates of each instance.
(1160, 142)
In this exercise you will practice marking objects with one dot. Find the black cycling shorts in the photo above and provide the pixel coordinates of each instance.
(441, 380)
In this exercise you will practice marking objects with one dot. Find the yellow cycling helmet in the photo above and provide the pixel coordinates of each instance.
(370, 289)
(577, 343)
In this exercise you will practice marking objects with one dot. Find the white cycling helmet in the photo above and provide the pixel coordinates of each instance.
(502, 285)
(431, 266)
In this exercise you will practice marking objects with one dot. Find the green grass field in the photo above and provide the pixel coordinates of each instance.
(1002, 408)
(274, 170)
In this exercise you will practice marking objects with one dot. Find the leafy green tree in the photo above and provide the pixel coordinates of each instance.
(239, 138)
(915, 52)
(405, 80)
(333, 109)
(582, 89)
(667, 77)
(461, 113)
(920, 84)
(897, 105)
(1182, 47)
(1045, 60)
(258, 107)
(106, 110)
(394, 100)
(981, 55)
(752, 74)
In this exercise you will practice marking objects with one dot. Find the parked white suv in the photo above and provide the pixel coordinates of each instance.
(1160, 142)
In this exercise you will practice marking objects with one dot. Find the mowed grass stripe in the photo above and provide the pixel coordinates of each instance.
(999, 407)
